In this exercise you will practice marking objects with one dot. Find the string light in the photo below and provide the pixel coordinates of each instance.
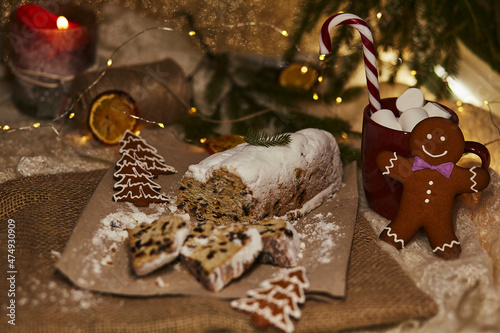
(413, 72)
(487, 103)
(315, 96)
(338, 100)
(320, 79)
(379, 15)
(322, 57)
(203, 140)
(191, 110)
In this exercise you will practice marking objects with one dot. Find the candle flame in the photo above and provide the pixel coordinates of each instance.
(62, 23)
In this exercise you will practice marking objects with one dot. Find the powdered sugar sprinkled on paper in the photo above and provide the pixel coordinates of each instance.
(114, 226)
(112, 233)
(323, 232)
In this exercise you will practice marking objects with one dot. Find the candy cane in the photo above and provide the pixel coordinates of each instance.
(325, 44)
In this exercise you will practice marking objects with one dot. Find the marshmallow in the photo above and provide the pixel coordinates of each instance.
(411, 98)
(434, 110)
(386, 118)
(412, 117)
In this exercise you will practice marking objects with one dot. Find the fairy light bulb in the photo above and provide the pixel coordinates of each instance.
(379, 15)
(110, 62)
(413, 72)
(161, 125)
(320, 79)
(192, 33)
(203, 140)
(6, 127)
(284, 33)
(36, 125)
(322, 57)
(486, 102)
(315, 96)
(84, 139)
(338, 100)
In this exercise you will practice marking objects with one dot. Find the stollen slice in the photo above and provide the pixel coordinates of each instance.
(157, 244)
(217, 255)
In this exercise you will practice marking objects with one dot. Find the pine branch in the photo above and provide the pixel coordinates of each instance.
(264, 140)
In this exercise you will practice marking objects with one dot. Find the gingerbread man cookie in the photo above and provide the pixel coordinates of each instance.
(431, 180)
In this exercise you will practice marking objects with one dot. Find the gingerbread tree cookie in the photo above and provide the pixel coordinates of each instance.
(431, 180)
(277, 300)
(136, 168)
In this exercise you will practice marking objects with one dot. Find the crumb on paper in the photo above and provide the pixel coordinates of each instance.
(55, 254)
(160, 282)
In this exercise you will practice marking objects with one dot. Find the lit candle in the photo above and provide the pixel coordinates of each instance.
(48, 49)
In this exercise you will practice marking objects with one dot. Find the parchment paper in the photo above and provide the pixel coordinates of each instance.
(102, 264)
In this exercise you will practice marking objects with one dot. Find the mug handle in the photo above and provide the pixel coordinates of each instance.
(480, 150)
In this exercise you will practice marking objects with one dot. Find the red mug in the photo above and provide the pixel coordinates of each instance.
(383, 193)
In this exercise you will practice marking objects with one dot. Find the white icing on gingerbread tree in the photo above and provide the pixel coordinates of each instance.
(132, 170)
(136, 179)
(126, 159)
(139, 194)
(139, 149)
(153, 162)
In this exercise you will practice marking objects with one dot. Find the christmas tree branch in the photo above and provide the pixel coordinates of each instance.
(264, 140)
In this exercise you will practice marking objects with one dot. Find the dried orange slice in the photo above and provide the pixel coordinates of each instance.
(298, 75)
(111, 114)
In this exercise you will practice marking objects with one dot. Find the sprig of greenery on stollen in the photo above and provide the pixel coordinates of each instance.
(264, 140)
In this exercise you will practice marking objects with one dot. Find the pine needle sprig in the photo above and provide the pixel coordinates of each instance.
(264, 140)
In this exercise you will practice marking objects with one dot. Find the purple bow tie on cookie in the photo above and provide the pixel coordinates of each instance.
(445, 169)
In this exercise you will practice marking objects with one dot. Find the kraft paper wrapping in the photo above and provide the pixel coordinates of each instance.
(101, 263)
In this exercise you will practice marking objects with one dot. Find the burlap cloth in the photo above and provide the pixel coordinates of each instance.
(45, 210)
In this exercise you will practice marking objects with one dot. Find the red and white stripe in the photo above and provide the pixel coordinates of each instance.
(325, 44)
